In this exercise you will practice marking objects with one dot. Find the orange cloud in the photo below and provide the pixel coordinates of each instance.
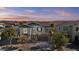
(63, 13)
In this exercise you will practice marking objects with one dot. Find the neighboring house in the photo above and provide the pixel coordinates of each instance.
(75, 32)
(66, 27)
(71, 29)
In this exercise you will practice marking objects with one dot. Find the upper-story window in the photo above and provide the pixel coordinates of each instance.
(39, 29)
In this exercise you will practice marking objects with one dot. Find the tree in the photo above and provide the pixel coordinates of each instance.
(22, 40)
(58, 39)
(9, 33)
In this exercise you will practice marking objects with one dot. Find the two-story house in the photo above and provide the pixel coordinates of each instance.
(34, 29)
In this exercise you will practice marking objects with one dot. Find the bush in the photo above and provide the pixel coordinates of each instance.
(22, 39)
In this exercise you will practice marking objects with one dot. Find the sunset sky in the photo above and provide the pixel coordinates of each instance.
(39, 13)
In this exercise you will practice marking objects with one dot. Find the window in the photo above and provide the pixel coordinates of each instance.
(24, 30)
(65, 28)
(39, 29)
(59, 28)
(77, 29)
(33, 29)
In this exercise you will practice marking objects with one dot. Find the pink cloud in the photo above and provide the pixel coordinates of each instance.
(63, 13)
